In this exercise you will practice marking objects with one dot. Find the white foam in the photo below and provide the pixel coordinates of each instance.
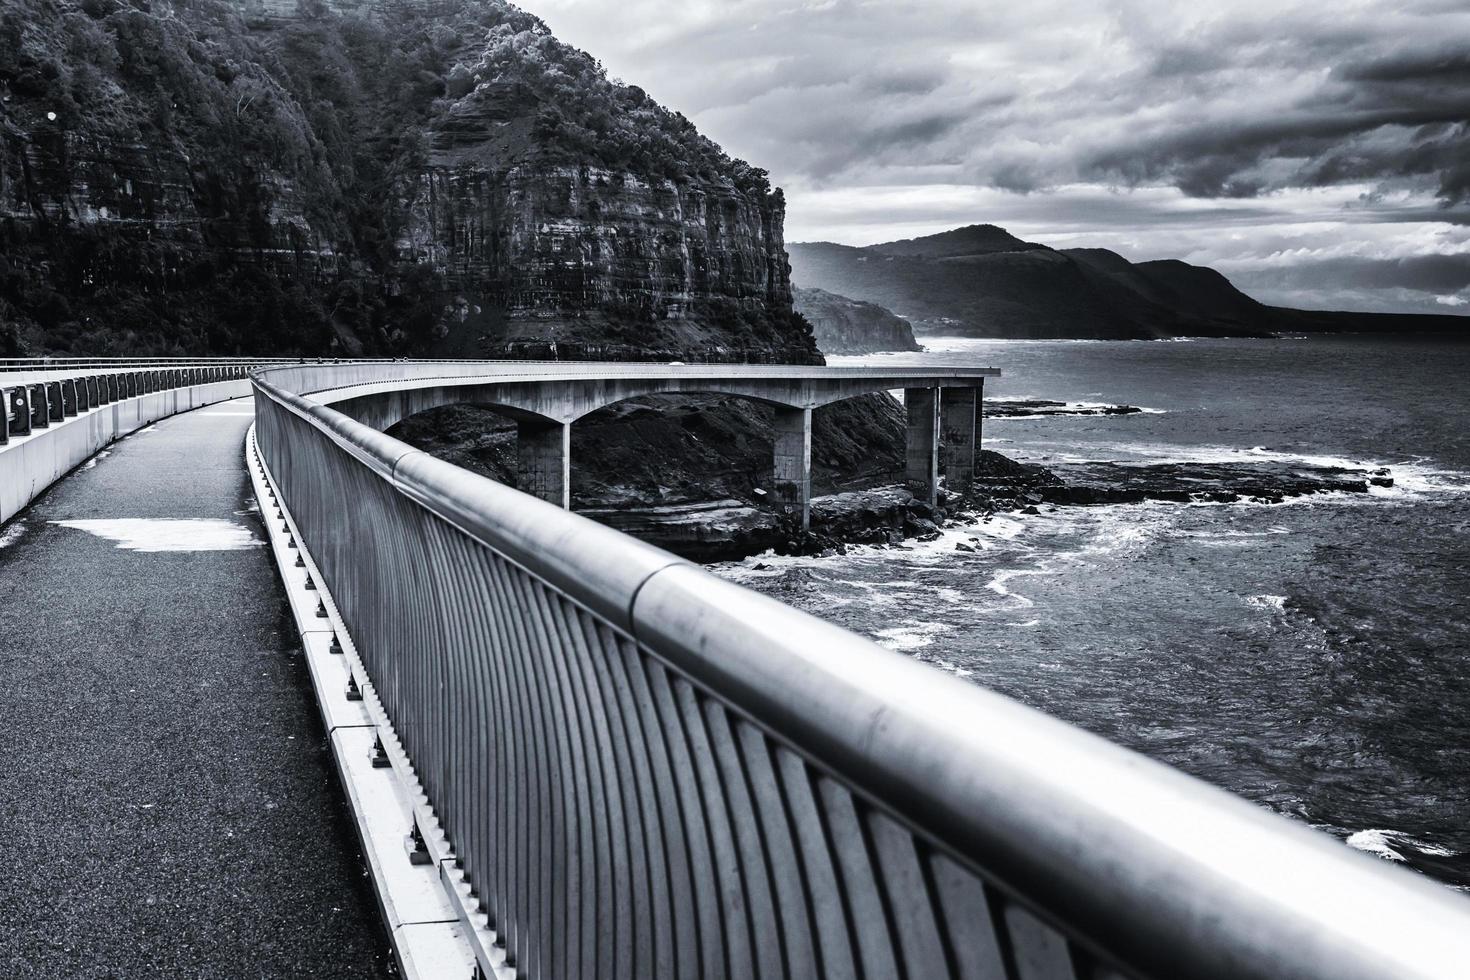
(1274, 602)
(1383, 843)
(12, 534)
(1069, 410)
(911, 635)
(998, 584)
(169, 534)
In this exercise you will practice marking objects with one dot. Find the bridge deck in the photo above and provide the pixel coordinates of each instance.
(166, 793)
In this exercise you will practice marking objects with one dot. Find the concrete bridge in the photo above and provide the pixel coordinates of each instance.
(564, 753)
(943, 408)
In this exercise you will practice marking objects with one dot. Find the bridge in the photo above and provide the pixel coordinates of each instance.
(565, 753)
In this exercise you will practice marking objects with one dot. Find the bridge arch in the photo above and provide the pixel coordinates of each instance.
(545, 407)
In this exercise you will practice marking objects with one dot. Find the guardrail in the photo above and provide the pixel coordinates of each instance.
(645, 771)
(51, 392)
(54, 415)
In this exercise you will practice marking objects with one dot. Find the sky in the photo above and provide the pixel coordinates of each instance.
(1316, 153)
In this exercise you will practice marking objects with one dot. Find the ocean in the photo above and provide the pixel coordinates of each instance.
(1312, 656)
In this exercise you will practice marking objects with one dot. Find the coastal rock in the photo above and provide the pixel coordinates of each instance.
(1041, 408)
(848, 326)
(708, 531)
(1268, 482)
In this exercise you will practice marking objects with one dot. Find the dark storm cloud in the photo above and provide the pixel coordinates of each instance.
(1253, 133)
(1225, 99)
(1402, 114)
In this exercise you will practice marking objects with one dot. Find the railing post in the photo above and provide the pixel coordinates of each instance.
(53, 400)
(921, 456)
(18, 407)
(4, 416)
(792, 468)
(960, 438)
(36, 400)
(544, 460)
(68, 397)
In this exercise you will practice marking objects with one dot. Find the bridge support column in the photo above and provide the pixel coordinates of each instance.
(959, 439)
(921, 468)
(544, 461)
(793, 463)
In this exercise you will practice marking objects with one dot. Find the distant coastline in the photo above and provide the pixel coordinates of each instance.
(983, 282)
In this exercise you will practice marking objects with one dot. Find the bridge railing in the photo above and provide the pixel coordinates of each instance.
(36, 393)
(645, 771)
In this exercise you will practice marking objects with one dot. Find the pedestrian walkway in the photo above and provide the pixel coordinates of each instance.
(168, 804)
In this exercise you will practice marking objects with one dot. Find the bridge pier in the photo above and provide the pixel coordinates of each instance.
(921, 457)
(793, 462)
(544, 460)
(960, 413)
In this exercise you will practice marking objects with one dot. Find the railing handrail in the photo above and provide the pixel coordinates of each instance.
(1151, 869)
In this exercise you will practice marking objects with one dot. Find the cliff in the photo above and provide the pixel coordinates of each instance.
(848, 326)
(447, 179)
(982, 281)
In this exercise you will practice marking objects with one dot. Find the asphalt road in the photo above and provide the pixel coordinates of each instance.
(168, 806)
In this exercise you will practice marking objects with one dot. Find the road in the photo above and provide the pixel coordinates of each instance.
(167, 796)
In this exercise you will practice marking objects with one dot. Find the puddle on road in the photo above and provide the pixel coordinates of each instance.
(170, 534)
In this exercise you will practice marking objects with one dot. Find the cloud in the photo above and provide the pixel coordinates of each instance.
(1142, 125)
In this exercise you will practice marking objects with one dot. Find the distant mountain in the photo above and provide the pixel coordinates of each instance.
(849, 326)
(970, 240)
(982, 281)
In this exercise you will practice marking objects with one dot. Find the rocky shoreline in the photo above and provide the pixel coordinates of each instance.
(691, 475)
(732, 529)
(1041, 407)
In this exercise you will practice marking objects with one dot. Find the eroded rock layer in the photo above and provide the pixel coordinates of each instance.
(447, 179)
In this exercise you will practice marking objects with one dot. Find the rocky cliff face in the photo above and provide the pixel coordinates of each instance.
(848, 326)
(200, 175)
(603, 260)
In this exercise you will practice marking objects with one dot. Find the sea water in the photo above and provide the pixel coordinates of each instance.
(1311, 656)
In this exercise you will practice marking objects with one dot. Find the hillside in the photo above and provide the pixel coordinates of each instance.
(848, 326)
(981, 281)
(197, 176)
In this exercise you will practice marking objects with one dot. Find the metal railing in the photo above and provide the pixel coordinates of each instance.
(51, 390)
(646, 771)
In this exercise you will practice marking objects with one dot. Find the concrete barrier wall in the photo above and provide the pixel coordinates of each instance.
(30, 464)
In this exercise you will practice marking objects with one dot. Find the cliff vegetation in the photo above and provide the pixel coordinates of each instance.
(195, 176)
